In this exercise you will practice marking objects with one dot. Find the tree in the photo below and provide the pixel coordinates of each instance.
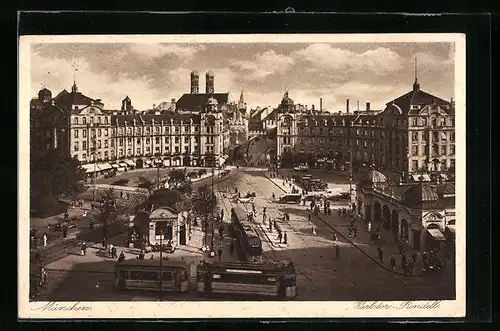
(107, 210)
(204, 205)
(178, 179)
(52, 174)
(146, 183)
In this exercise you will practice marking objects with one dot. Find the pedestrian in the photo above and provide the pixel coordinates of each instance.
(369, 226)
(424, 257)
(279, 236)
(380, 254)
(403, 259)
(355, 230)
(141, 255)
(219, 253)
(309, 217)
(337, 251)
(401, 248)
(114, 253)
(122, 257)
(274, 196)
(314, 230)
(66, 215)
(152, 257)
(65, 231)
(264, 210)
(45, 239)
(411, 265)
(270, 225)
(393, 262)
(414, 257)
(231, 248)
(334, 237)
(284, 238)
(405, 268)
(84, 249)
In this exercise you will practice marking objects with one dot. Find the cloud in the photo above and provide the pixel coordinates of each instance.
(57, 74)
(186, 52)
(263, 65)
(325, 56)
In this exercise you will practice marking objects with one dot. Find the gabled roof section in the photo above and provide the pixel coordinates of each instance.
(198, 101)
(271, 115)
(65, 99)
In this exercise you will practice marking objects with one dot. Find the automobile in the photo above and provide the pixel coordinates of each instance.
(301, 168)
(68, 224)
(290, 198)
(250, 195)
(244, 200)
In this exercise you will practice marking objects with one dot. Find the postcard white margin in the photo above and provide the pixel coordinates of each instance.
(262, 310)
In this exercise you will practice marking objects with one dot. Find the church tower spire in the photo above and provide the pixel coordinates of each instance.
(416, 85)
(74, 88)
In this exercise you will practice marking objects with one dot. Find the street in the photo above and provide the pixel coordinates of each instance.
(321, 276)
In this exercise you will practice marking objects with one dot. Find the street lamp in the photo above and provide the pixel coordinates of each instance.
(93, 150)
(161, 261)
(158, 161)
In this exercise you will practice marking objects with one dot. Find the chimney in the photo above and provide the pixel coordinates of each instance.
(312, 108)
(347, 106)
(320, 104)
(172, 100)
(367, 106)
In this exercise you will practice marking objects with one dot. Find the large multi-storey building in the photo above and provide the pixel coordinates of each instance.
(192, 134)
(413, 136)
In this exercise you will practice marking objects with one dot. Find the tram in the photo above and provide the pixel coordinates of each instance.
(248, 239)
(271, 279)
(152, 275)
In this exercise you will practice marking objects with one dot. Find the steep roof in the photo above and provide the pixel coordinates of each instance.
(417, 97)
(66, 99)
(422, 196)
(141, 119)
(199, 100)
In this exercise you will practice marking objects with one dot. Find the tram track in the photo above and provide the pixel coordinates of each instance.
(396, 274)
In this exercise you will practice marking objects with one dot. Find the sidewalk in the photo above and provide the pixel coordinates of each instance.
(339, 224)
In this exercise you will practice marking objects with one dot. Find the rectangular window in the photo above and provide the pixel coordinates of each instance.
(148, 141)
(452, 136)
(76, 133)
(414, 150)
(99, 119)
(91, 120)
(106, 143)
(414, 165)
(138, 151)
(106, 120)
(195, 129)
(167, 140)
(129, 140)
(176, 140)
(414, 136)
(157, 130)
(98, 144)
(167, 130)
(139, 131)
(106, 132)
(176, 129)
(443, 149)
(99, 132)
(76, 145)
(157, 140)
(84, 120)
(186, 140)
(452, 149)
(186, 129)
(157, 149)
(177, 149)
(84, 145)
(75, 120)
(195, 140)
(120, 142)
(112, 143)
(148, 149)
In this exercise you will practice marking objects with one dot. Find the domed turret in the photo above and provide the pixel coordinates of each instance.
(44, 95)
(421, 196)
(286, 101)
(374, 177)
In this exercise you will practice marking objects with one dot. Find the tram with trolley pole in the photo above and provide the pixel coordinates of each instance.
(275, 279)
(248, 240)
(152, 275)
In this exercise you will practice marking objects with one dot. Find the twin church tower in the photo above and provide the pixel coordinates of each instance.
(209, 82)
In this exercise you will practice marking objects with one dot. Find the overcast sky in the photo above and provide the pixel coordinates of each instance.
(152, 73)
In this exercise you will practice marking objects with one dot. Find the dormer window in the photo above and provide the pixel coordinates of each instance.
(415, 107)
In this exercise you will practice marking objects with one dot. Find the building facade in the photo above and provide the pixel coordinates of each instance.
(421, 214)
(194, 134)
(414, 135)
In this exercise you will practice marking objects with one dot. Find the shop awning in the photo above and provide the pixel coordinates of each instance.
(90, 168)
(122, 164)
(436, 234)
(130, 163)
(425, 178)
(148, 162)
(114, 165)
(451, 228)
(166, 162)
(104, 166)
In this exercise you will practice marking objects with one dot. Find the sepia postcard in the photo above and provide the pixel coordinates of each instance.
(242, 176)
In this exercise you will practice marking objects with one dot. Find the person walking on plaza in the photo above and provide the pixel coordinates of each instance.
(393, 262)
(66, 215)
(122, 257)
(113, 253)
(285, 238)
(403, 259)
(45, 239)
(231, 248)
(314, 230)
(355, 231)
(274, 196)
(84, 249)
(219, 253)
(380, 254)
(270, 225)
(65, 231)
(369, 226)
(309, 217)
(334, 237)
(337, 252)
